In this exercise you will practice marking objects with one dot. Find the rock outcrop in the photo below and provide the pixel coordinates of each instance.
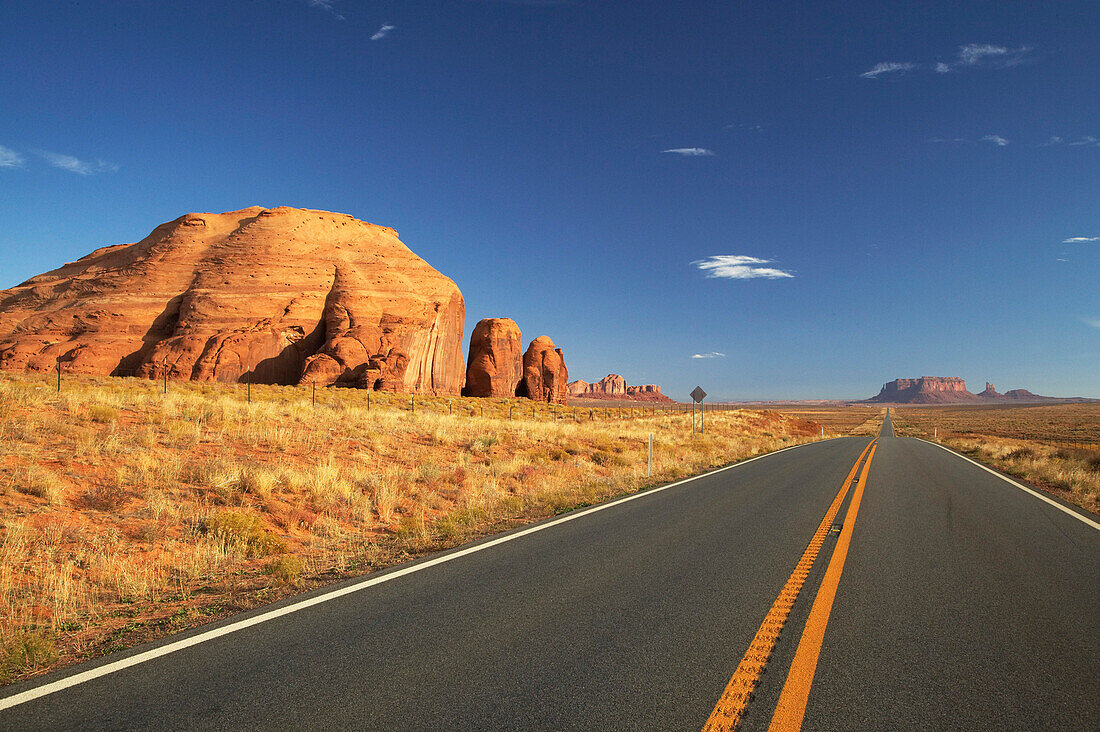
(277, 295)
(990, 392)
(495, 364)
(925, 390)
(614, 386)
(544, 372)
(950, 390)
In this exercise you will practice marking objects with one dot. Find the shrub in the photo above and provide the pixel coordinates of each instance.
(26, 651)
(286, 570)
(242, 533)
(106, 496)
(43, 483)
(102, 414)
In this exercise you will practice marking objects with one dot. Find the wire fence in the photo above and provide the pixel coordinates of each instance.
(324, 395)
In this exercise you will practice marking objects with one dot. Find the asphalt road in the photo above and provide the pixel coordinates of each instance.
(963, 603)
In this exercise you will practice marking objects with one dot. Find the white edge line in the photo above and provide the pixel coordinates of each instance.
(124, 663)
(1021, 486)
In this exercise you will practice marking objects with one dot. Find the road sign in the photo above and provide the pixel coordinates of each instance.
(697, 394)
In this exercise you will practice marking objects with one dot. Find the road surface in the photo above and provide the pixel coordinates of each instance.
(938, 596)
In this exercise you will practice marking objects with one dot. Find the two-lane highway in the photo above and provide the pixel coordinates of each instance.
(962, 601)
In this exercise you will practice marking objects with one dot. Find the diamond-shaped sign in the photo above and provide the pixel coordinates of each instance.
(697, 394)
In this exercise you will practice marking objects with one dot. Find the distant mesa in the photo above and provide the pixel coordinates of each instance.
(948, 390)
(280, 295)
(614, 386)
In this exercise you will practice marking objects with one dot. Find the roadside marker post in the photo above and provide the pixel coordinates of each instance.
(59, 373)
(649, 473)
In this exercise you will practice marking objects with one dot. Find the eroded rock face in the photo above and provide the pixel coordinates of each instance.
(989, 392)
(544, 372)
(278, 295)
(495, 366)
(925, 390)
(614, 386)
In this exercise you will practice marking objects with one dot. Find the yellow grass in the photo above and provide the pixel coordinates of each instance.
(128, 513)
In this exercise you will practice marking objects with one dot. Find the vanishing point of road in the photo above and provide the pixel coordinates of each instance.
(845, 584)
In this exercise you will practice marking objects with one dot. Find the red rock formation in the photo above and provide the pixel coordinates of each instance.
(990, 392)
(544, 372)
(577, 388)
(273, 295)
(614, 386)
(925, 390)
(495, 365)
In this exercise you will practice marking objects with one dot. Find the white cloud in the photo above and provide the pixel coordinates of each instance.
(1080, 239)
(382, 32)
(977, 54)
(888, 67)
(10, 158)
(712, 354)
(971, 55)
(1054, 140)
(690, 152)
(1086, 140)
(76, 165)
(1094, 322)
(947, 139)
(329, 6)
(995, 139)
(739, 267)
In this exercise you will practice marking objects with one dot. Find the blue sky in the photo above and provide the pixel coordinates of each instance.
(928, 175)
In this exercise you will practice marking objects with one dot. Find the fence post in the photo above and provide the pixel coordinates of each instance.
(58, 373)
(650, 471)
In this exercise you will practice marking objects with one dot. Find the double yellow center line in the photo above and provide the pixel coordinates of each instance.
(789, 712)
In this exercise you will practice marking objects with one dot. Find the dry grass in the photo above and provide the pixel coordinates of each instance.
(128, 513)
(1054, 447)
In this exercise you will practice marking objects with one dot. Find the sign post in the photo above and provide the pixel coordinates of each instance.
(697, 396)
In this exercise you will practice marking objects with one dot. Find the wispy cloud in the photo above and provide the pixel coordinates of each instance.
(10, 158)
(995, 139)
(943, 140)
(739, 267)
(1094, 322)
(969, 56)
(1086, 141)
(382, 32)
(1080, 239)
(888, 67)
(76, 165)
(329, 6)
(690, 152)
(984, 54)
(712, 354)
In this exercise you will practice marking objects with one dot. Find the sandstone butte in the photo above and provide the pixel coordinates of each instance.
(946, 390)
(544, 372)
(495, 364)
(278, 295)
(614, 386)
